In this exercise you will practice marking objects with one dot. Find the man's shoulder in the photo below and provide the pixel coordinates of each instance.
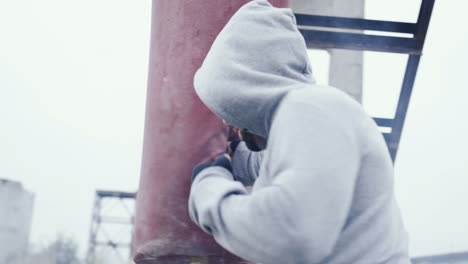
(321, 96)
(321, 100)
(325, 108)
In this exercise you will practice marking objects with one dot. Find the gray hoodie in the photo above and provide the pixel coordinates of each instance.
(323, 187)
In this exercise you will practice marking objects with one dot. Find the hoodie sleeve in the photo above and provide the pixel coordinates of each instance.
(299, 217)
(246, 164)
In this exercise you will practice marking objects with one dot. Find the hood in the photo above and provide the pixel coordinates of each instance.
(254, 62)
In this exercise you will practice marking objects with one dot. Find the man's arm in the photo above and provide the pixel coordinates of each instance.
(246, 164)
(298, 218)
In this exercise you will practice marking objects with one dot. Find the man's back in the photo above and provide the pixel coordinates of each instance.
(373, 231)
(324, 191)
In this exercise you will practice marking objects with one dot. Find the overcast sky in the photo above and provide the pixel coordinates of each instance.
(72, 95)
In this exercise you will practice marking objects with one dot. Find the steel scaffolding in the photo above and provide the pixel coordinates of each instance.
(111, 231)
(320, 33)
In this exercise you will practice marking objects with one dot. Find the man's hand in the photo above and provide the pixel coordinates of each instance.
(222, 161)
(198, 168)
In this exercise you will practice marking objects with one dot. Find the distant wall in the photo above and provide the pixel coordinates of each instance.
(346, 67)
(16, 205)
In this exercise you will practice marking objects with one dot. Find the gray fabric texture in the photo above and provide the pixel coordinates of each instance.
(246, 164)
(323, 190)
(240, 80)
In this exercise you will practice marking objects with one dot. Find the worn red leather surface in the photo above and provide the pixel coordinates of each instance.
(179, 131)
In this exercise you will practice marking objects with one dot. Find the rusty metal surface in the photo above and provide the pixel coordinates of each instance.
(179, 132)
(191, 260)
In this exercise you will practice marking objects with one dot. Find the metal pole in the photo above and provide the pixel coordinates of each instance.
(179, 132)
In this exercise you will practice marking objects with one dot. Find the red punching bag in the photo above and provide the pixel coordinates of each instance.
(179, 132)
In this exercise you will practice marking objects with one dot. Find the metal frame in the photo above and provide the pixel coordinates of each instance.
(459, 257)
(413, 46)
(99, 220)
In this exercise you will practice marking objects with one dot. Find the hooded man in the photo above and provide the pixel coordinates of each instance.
(322, 186)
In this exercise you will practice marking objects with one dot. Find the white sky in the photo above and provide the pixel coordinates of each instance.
(72, 95)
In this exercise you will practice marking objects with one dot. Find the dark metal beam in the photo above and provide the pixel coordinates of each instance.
(403, 102)
(423, 20)
(102, 193)
(355, 23)
(113, 244)
(459, 257)
(340, 40)
(116, 220)
(383, 122)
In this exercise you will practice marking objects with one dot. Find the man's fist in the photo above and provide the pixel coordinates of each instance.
(198, 168)
(222, 161)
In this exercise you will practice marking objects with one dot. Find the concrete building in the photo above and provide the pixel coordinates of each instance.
(16, 207)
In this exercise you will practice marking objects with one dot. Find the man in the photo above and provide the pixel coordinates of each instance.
(322, 186)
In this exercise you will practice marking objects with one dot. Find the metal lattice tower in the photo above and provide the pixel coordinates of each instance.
(111, 230)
